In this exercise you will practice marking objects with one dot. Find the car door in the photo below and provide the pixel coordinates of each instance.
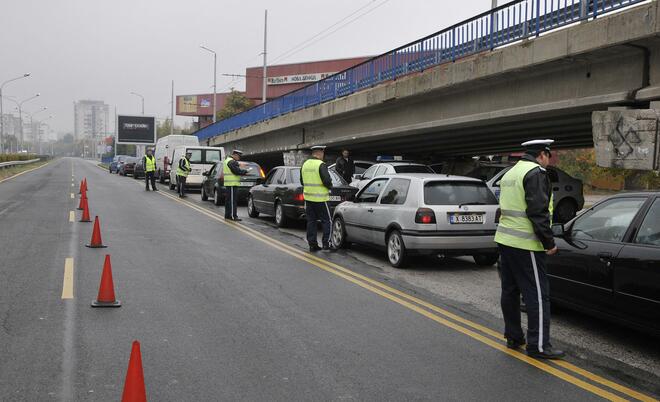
(280, 189)
(359, 220)
(582, 270)
(637, 272)
(389, 208)
(209, 181)
(262, 194)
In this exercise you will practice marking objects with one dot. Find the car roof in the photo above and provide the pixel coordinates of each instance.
(399, 163)
(431, 176)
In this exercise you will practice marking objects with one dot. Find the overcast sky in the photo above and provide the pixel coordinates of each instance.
(104, 49)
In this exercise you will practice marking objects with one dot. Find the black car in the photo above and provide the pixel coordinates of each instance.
(213, 184)
(127, 166)
(281, 195)
(608, 263)
(138, 170)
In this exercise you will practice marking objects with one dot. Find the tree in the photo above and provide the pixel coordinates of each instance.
(235, 103)
(163, 129)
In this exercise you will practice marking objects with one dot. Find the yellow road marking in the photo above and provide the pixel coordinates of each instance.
(351, 277)
(67, 285)
(23, 172)
(72, 216)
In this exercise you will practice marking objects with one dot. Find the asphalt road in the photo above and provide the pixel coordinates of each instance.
(236, 312)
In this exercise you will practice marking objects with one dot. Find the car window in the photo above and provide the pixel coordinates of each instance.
(360, 168)
(413, 169)
(219, 169)
(371, 192)
(252, 168)
(380, 171)
(212, 171)
(337, 180)
(196, 156)
(272, 176)
(396, 192)
(649, 231)
(458, 192)
(484, 173)
(281, 177)
(211, 155)
(607, 221)
(370, 172)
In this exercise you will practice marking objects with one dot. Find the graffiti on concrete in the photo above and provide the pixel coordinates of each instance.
(624, 137)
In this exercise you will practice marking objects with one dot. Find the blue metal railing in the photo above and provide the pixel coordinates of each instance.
(503, 25)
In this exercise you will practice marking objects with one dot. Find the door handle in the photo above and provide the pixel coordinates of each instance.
(370, 210)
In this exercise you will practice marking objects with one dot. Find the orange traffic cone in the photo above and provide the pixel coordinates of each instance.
(106, 296)
(85, 213)
(96, 236)
(80, 189)
(83, 196)
(134, 390)
(85, 184)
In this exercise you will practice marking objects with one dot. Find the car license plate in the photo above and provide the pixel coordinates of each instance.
(247, 184)
(466, 218)
(335, 198)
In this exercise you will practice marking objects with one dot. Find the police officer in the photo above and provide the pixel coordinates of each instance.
(149, 164)
(525, 239)
(182, 173)
(316, 182)
(232, 173)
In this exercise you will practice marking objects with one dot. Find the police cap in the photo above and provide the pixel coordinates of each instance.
(535, 147)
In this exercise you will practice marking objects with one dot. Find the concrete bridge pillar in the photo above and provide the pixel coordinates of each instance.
(295, 158)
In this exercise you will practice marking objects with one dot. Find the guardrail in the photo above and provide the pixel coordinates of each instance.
(14, 163)
(509, 23)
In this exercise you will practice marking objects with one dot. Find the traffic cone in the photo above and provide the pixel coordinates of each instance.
(106, 296)
(85, 213)
(80, 188)
(85, 184)
(96, 236)
(83, 196)
(134, 390)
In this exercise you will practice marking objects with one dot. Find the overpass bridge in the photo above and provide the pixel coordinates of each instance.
(527, 69)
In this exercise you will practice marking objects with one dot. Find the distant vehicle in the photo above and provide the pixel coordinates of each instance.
(165, 148)
(393, 167)
(608, 263)
(281, 195)
(567, 191)
(202, 160)
(127, 166)
(213, 184)
(114, 165)
(421, 214)
(360, 167)
(138, 170)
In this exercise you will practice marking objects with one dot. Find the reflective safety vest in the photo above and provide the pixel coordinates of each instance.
(150, 163)
(515, 229)
(181, 172)
(313, 188)
(230, 179)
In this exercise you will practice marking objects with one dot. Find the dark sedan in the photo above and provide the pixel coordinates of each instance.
(116, 161)
(213, 184)
(127, 166)
(608, 263)
(281, 195)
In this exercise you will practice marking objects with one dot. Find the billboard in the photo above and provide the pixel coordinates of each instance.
(139, 130)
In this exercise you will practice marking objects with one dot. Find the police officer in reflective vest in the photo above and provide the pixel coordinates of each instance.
(149, 164)
(182, 173)
(524, 237)
(316, 182)
(232, 173)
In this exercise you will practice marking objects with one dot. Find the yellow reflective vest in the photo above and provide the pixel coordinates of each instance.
(149, 163)
(230, 179)
(313, 188)
(181, 172)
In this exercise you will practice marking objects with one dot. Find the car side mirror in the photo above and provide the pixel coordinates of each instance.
(558, 230)
(261, 180)
(358, 177)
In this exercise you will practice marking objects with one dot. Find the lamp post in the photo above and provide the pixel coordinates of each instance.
(141, 97)
(2, 120)
(215, 66)
(20, 114)
(31, 115)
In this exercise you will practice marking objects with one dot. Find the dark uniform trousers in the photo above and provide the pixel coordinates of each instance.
(523, 271)
(231, 202)
(181, 183)
(150, 177)
(316, 211)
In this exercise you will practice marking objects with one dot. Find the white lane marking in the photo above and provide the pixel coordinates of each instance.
(72, 196)
(72, 216)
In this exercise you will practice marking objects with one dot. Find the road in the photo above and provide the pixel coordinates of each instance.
(229, 311)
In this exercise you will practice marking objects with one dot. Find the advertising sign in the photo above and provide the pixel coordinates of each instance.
(187, 104)
(297, 78)
(139, 130)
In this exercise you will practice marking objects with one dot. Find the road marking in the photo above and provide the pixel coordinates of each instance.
(369, 285)
(23, 172)
(72, 216)
(72, 196)
(72, 184)
(67, 284)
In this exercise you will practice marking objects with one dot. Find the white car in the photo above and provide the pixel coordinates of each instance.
(164, 153)
(201, 161)
(394, 167)
(422, 214)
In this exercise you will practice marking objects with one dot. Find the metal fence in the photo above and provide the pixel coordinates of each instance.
(15, 163)
(501, 26)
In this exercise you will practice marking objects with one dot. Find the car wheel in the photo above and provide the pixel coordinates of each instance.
(338, 233)
(204, 196)
(396, 250)
(281, 219)
(217, 198)
(565, 211)
(252, 210)
(485, 260)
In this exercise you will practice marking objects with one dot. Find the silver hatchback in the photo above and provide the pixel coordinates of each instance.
(422, 214)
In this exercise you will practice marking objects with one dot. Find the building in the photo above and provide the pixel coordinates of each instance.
(282, 79)
(91, 119)
(11, 125)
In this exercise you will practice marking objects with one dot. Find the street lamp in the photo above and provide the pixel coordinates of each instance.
(141, 97)
(215, 66)
(2, 120)
(20, 113)
(31, 115)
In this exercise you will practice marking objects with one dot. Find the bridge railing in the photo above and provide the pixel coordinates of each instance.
(509, 23)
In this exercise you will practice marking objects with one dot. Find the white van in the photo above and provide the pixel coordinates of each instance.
(164, 151)
(202, 160)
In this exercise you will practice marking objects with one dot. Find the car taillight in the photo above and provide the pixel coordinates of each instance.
(299, 197)
(425, 216)
(498, 214)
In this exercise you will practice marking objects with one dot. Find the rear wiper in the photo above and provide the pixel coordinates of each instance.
(471, 203)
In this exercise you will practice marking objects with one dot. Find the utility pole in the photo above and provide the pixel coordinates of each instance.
(2, 118)
(116, 123)
(172, 111)
(265, 70)
(215, 76)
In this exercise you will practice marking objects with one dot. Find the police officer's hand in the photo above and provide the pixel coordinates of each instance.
(551, 251)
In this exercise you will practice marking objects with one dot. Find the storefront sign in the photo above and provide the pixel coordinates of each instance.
(297, 79)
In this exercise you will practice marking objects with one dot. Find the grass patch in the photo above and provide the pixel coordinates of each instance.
(6, 173)
(104, 165)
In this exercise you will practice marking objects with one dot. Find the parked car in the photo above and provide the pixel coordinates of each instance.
(127, 166)
(165, 147)
(567, 191)
(608, 262)
(213, 184)
(138, 170)
(114, 165)
(360, 167)
(421, 214)
(202, 160)
(394, 167)
(281, 195)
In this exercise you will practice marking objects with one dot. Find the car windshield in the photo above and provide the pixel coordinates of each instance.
(413, 169)
(457, 192)
(336, 179)
(484, 173)
(252, 168)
